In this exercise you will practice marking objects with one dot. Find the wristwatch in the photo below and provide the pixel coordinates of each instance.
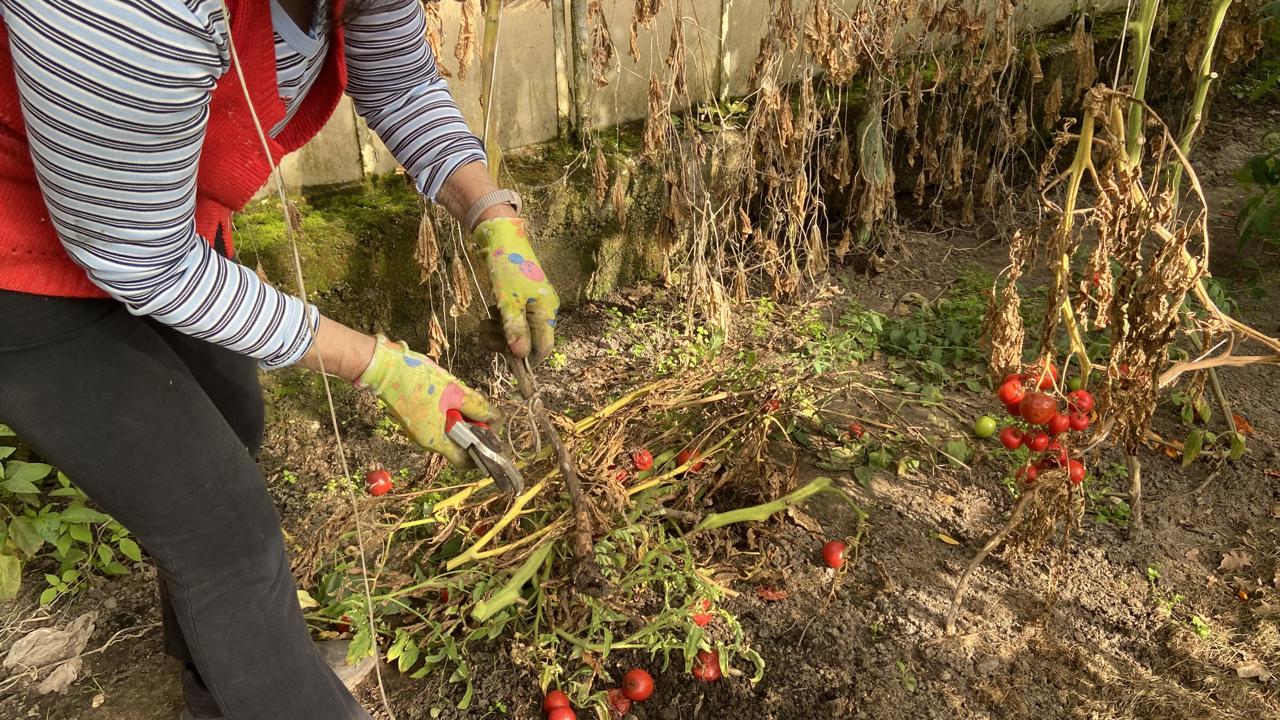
(497, 197)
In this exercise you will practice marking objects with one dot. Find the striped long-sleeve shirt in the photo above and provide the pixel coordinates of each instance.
(115, 98)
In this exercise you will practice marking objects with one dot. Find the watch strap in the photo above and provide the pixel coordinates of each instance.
(484, 202)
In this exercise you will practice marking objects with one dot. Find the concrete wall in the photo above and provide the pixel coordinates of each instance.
(525, 96)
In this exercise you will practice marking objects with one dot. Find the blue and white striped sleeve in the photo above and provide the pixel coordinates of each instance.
(115, 98)
(393, 79)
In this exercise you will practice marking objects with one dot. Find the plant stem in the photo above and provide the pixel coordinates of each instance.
(1206, 76)
(563, 121)
(1079, 164)
(581, 69)
(1141, 29)
(510, 592)
(760, 513)
(489, 69)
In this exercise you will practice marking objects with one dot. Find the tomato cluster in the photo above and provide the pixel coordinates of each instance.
(1031, 396)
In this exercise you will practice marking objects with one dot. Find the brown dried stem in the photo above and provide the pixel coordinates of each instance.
(587, 578)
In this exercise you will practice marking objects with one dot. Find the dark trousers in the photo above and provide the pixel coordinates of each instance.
(160, 430)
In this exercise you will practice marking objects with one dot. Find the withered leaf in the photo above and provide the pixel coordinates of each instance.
(1235, 561)
(772, 595)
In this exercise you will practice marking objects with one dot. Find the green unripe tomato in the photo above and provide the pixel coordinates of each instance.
(985, 426)
(1075, 383)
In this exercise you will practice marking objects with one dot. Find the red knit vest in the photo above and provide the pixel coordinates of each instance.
(232, 164)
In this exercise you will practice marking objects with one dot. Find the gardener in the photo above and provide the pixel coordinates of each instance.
(130, 339)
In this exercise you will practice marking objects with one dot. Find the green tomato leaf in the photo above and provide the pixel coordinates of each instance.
(49, 595)
(23, 533)
(6, 452)
(28, 472)
(1192, 446)
(78, 513)
(80, 533)
(10, 576)
(20, 486)
(1237, 446)
(130, 549)
(958, 451)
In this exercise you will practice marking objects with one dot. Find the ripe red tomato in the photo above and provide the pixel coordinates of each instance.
(856, 430)
(378, 482)
(706, 666)
(1046, 379)
(622, 475)
(685, 456)
(562, 713)
(637, 685)
(1011, 437)
(833, 553)
(1038, 408)
(343, 625)
(1079, 421)
(1028, 474)
(619, 701)
(642, 459)
(1014, 377)
(1011, 393)
(1075, 470)
(1013, 410)
(772, 404)
(1059, 424)
(1080, 400)
(1036, 441)
(554, 700)
(701, 615)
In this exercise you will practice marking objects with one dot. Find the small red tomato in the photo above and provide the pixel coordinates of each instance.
(1011, 437)
(1013, 410)
(642, 459)
(555, 700)
(706, 666)
(687, 455)
(1075, 470)
(833, 553)
(1028, 474)
(619, 701)
(622, 475)
(701, 615)
(772, 404)
(1011, 377)
(1046, 379)
(1011, 393)
(856, 430)
(343, 625)
(1059, 424)
(1080, 401)
(378, 482)
(1038, 408)
(444, 596)
(1079, 421)
(1036, 441)
(562, 713)
(637, 685)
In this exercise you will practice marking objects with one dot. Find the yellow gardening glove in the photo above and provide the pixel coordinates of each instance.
(526, 301)
(419, 393)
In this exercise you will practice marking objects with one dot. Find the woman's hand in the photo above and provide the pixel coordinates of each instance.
(526, 301)
(419, 393)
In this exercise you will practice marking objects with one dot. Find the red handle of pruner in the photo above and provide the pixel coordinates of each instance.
(453, 416)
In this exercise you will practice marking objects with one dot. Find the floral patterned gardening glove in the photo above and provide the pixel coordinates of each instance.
(418, 393)
(526, 301)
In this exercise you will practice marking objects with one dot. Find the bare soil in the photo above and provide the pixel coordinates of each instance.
(1082, 629)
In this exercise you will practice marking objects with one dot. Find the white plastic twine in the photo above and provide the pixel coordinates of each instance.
(278, 181)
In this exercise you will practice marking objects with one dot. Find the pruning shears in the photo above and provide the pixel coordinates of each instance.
(485, 450)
